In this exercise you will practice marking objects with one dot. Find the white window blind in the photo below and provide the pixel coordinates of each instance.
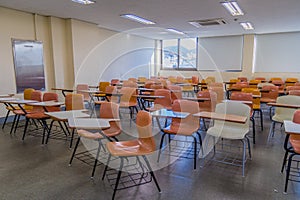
(277, 52)
(220, 53)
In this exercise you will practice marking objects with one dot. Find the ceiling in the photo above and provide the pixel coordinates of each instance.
(267, 16)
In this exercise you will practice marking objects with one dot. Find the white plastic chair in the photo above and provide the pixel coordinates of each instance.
(282, 113)
(232, 130)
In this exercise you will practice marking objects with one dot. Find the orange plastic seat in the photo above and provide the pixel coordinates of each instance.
(16, 109)
(208, 106)
(142, 146)
(290, 81)
(72, 102)
(270, 96)
(294, 92)
(242, 79)
(37, 113)
(130, 83)
(108, 110)
(243, 96)
(114, 82)
(255, 103)
(176, 92)
(128, 100)
(294, 150)
(184, 127)
(160, 103)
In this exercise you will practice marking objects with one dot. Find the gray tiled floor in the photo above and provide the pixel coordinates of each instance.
(29, 170)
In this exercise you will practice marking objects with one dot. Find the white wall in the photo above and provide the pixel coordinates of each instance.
(117, 55)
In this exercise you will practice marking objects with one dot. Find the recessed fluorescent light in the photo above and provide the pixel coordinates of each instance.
(84, 2)
(175, 31)
(247, 25)
(233, 8)
(137, 19)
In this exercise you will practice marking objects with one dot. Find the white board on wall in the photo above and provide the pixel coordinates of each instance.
(277, 52)
(220, 53)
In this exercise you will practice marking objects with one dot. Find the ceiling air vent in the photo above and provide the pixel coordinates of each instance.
(208, 22)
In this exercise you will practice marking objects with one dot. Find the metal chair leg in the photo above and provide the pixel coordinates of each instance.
(271, 130)
(25, 129)
(151, 172)
(13, 125)
(96, 159)
(288, 172)
(244, 158)
(6, 117)
(118, 178)
(160, 146)
(74, 151)
(17, 123)
(49, 131)
(107, 163)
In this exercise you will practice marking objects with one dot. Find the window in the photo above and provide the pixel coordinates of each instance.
(170, 54)
(179, 53)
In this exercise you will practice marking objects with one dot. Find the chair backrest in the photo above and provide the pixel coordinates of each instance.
(260, 78)
(233, 108)
(219, 91)
(109, 110)
(37, 95)
(144, 128)
(144, 124)
(243, 79)
(127, 95)
(148, 84)
(129, 83)
(208, 106)
(51, 96)
(74, 102)
(190, 121)
(254, 83)
(195, 79)
(275, 78)
(132, 79)
(294, 92)
(286, 113)
(272, 94)
(255, 101)
(296, 117)
(278, 83)
(261, 85)
(290, 81)
(215, 85)
(180, 79)
(297, 84)
(112, 89)
(142, 79)
(242, 96)
(164, 102)
(103, 85)
(27, 96)
(114, 81)
(239, 85)
(288, 88)
(80, 87)
(210, 79)
(156, 86)
(176, 92)
(27, 93)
